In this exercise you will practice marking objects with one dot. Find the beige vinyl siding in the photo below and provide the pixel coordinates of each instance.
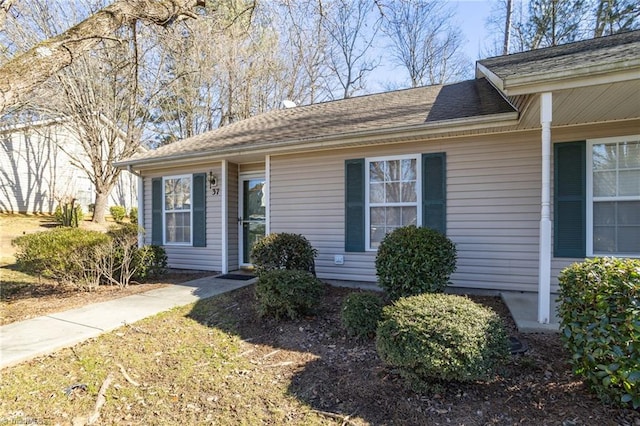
(207, 258)
(492, 208)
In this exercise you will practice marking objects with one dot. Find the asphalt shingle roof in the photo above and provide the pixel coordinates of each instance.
(397, 109)
(567, 57)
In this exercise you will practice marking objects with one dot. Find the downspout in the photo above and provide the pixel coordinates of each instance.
(544, 268)
(140, 205)
(225, 218)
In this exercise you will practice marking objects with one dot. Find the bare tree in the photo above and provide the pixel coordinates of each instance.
(306, 46)
(615, 16)
(424, 40)
(98, 92)
(24, 72)
(5, 5)
(351, 30)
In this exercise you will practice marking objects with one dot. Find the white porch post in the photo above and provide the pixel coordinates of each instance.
(544, 268)
(140, 210)
(267, 194)
(224, 207)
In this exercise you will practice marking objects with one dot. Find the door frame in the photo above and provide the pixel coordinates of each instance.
(242, 177)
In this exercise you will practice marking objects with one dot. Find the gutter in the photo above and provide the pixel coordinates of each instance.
(337, 140)
(605, 73)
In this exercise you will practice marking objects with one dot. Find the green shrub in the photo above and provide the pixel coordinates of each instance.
(68, 214)
(133, 215)
(283, 251)
(287, 293)
(65, 254)
(413, 261)
(149, 262)
(361, 313)
(118, 213)
(600, 323)
(431, 338)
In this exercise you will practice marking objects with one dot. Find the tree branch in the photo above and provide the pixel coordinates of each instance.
(26, 71)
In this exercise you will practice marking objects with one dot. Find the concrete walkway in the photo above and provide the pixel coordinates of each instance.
(21, 341)
(524, 310)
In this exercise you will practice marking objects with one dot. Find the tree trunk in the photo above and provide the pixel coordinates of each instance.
(507, 28)
(100, 207)
(26, 71)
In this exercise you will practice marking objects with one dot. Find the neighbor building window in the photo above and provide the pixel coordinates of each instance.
(392, 189)
(613, 194)
(177, 209)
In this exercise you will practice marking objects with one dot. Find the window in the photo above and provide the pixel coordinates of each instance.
(177, 209)
(613, 196)
(392, 196)
(382, 194)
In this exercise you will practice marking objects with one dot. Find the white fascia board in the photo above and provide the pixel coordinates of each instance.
(333, 141)
(570, 79)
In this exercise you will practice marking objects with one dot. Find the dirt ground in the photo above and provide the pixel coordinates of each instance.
(346, 376)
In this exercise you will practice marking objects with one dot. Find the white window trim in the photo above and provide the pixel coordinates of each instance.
(164, 211)
(367, 221)
(589, 199)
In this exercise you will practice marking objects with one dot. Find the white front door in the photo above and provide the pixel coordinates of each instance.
(252, 211)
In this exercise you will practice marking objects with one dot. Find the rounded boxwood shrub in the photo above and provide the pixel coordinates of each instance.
(133, 215)
(600, 325)
(283, 251)
(431, 338)
(361, 313)
(65, 254)
(413, 261)
(118, 213)
(287, 293)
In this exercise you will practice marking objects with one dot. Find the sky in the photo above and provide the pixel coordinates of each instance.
(471, 16)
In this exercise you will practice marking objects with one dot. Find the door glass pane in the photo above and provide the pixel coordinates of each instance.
(251, 233)
(254, 201)
(253, 215)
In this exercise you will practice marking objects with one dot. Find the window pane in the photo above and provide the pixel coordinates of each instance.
(394, 216)
(604, 156)
(604, 184)
(178, 227)
(409, 216)
(604, 213)
(377, 216)
(628, 213)
(629, 182)
(629, 155)
(409, 192)
(629, 239)
(376, 192)
(392, 192)
(604, 239)
(409, 169)
(377, 234)
(376, 171)
(394, 170)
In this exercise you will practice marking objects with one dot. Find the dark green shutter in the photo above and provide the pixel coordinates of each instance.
(434, 191)
(199, 210)
(570, 192)
(354, 205)
(156, 211)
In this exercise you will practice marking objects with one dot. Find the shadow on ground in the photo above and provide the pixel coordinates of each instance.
(337, 375)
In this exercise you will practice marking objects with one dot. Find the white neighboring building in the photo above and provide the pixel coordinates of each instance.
(36, 172)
